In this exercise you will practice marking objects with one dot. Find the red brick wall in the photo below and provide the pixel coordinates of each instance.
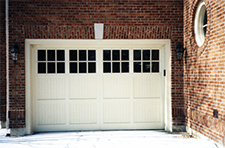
(64, 19)
(2, 63)
(204, 71)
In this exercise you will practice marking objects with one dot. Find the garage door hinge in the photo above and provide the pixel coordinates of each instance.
(164, 72)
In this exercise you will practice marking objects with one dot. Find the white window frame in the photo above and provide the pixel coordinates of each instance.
(199, 27)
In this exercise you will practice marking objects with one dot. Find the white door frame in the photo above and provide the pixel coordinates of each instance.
(164, 43)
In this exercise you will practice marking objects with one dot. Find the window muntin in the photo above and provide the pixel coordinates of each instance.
(200, 27)
(82, 61)
(51, 61)
(115, 61)
(146, 61)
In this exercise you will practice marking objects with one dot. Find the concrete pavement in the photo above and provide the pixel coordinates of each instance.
(104, 139)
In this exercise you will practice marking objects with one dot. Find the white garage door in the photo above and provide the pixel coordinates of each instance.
(96, 87)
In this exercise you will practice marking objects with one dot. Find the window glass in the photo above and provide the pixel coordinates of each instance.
(91, 55)
(155, 66)
(91, 67)
(146, 54)
(73, 67)
(116, 55)
(82, 55)
(41, 55)
(125, 54)
(137, 66)
(146, 66)
(116, 67)
(41, 67)
(51, 67)
(125, 67)
(60, 67)
(137, 54)
(60, 55)
(106, 67)
(155, 54)
(106, 55)
(73, 55)
(82, 68)
(51, 55)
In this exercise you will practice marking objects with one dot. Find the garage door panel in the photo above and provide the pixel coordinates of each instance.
(116, 112)
(83, 112)
(51, 113)
(147, 87)
(147, 111)
(83, 87)
(50, 88)
(116, 87)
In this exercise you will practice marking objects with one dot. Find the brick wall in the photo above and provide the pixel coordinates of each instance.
(64, 19)
(204, 71)
(2, 63)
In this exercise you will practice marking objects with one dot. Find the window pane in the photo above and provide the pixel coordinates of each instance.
(82, 55)
(116, 67)
(125, 67)
(146, 66)
(60, 55)
(41, 67)
(41, 55)
(91, 67)
(155, 66)
(73, 67)
(125, 54)
(91, 55)
(107, 55)
(205, 23)
(60, 67)
(155, 54)
(51, 55)
(107, 67)
(82, 68)
(146, 54)
(137, 54)
(137, 66)
(51, 67)
(73, 55)
(116, 55)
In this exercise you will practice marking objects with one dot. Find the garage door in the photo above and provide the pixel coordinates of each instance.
(93, 87)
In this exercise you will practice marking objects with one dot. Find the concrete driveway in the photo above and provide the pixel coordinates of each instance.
(104, 139)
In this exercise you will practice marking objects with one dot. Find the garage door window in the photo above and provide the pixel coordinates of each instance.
(51, 61)
(146, 61)
(116, 61)
(82, 61)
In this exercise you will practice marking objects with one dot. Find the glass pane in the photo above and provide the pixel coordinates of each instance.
(51, 55)
(116, 67)
(107, 67)
(73, 55)
(116, 55)
(107, 55)
(205, 23)
(137, 66)
(41, 55)
(125, 67)
(155, 66)
(60, 55)
(137, 54)
(155, 54)
(125, 54)
(82, 68)
(60, 67)
(91, 55)
(82, 55)
(73, 67)
(146, 54)
(41, 67)
(146, 66)
(51, 67)
(91, 67)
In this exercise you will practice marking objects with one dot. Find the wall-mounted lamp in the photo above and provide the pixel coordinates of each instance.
(179, 51)
(15, 52)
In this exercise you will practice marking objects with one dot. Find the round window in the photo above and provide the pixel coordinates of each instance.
(200, 23)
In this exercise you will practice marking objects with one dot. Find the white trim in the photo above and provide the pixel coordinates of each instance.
(199, 17)
(163, 43)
